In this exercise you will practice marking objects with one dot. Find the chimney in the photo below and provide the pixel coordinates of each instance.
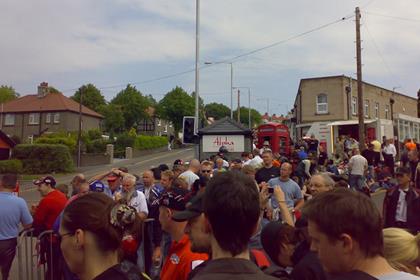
(43, 89)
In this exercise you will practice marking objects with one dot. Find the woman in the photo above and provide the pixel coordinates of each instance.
(91, 234)
(402, 250)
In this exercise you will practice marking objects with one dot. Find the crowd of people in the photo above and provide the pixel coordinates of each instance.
(258, 216)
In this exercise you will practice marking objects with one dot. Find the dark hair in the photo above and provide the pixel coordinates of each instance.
(9, 181)
(231, 204)
(156, 173)
(345, 211)
(163, 167)
(92, 212)
(199, 183)
(123, 169)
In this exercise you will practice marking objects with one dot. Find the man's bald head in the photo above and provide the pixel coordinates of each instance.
(285, 171)
(148, 178)
(194, 165)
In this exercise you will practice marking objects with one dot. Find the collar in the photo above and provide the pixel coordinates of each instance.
(231, 265)
(181, 243)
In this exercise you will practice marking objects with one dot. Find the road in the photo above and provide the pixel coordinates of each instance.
(136, 166)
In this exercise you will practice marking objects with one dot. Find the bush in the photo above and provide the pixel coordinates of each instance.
(94, 134)
(44, 158)
(67, 141)
(96, 146)
(144, 142)
(123, 141)
(10, 166)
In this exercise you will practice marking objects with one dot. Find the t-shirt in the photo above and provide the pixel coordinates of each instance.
(291, 190)
(138, 201)
(122, 271)
(369, 155)
(180, 260)
(48, 210)
(398, 276)
(265, 174)
(13, 211)
(322, 158)
(256, 161)
(189, 177)
(358, 164)
(313, 145)
(376, 146)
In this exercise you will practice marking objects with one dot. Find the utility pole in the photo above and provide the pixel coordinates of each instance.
(79, 135)
(359, 83)
(197, 61)
(239, 106)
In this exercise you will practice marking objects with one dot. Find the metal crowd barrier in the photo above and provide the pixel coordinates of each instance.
(29, 255)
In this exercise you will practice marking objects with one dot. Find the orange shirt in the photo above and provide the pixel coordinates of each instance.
(180, 260)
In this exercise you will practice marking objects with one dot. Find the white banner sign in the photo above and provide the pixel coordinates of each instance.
(233, 143)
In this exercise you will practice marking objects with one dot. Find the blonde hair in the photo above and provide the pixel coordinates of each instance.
(402, 249)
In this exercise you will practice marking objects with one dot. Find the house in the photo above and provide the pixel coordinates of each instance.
(32, 115)
(155, 126)
(328, 107)
(6, 145)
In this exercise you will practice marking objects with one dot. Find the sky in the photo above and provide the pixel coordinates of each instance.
(111, 43)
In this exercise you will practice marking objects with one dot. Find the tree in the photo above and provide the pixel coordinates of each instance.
(175, 105)
(92, 97)
(113, 118)
(216, 110)
(53, 90)
(255, 116)
(133, 105)
(7, 93)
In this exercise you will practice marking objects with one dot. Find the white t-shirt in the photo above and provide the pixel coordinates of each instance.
(189, 177)
(256, 162)
(358, 164)
(398, 276)
(139, 203)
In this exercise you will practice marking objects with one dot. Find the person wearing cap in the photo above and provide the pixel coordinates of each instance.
(402, 203)
(113, 178)
(180, 260)
(236, 165)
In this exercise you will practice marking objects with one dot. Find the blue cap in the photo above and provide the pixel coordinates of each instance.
(97, 186)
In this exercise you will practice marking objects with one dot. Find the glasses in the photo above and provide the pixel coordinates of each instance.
(205, 171)
(60, 236)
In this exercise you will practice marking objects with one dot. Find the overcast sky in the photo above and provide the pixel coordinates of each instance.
(112, 43)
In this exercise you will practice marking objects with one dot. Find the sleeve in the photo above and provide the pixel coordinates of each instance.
(40, 214)
(142, 203)
(25, 215)
(297, 192)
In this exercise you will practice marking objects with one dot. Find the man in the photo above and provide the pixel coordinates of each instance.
(413, 161)
(180, 260)
(377, 150)
(130, 196)
(14, 212)
(322, 159)
(236, 165)
(268, 171)
(76, 183)
(232, 210)
(245, 158)
(191, 174)
(219, 166)
(358, 166)
(113, 178)
(207, 169)
(166, 179)
(313, 145)
(256, 161)
(346, 232)
(321, 183)
(389, 152)
(402, 203)
(293, 194)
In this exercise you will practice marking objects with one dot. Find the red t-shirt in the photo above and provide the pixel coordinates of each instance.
(48, 210)
(180, 260)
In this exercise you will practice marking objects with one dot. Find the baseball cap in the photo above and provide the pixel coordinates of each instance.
(403, 170)
(237, 160)
(178, 162)
(174, 199)
(194, 208)
(96, 186)
(112, 177)
(49, 180)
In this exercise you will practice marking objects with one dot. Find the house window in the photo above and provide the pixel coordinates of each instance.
(48, 118)
(9, 119)
(159, 122)
(386, 111)
(377, 110)
(354, 105)
(367, 108)
(321, 104)
(166, 128)
(57, 118)
(34, 118)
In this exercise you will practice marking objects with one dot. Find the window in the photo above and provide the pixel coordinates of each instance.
(48, 118)
(57, 118)
(386, 111)
(354, 105)
(367, 108)
(34, 118)
(377, 110)
(9, 119)
(159, 122)
(166, 128)
(321, 104)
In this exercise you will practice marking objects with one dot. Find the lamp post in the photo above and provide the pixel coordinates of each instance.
(231, 83)
(197, 61)
(249, 104)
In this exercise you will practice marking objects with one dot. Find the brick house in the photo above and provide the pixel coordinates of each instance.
(34, 114)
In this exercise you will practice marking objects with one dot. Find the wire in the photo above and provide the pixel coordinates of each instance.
(393, 17)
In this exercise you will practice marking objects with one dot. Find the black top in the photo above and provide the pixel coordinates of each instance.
(354, 275)
(231, 268)
(369, 155)
(122, 271)
(313, 145)
(413, 167)
(307, 265)
(322, 158)
(265, 174)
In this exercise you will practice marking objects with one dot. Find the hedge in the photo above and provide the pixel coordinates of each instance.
(10, 166)
(144, 142)
(67, 141)
(44, 158)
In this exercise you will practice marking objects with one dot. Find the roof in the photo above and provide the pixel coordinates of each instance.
(52, 102)
(349, 122)
(225, 126)
(7, 139)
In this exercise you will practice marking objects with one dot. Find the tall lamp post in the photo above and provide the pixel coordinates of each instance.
(197, 61)
(249, 104)
(231, 83)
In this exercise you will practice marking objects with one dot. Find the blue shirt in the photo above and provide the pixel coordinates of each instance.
(291, 191)
(109, 192)
(13, 211)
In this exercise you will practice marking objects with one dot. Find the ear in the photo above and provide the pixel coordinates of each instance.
(347, 243)
(80, 237)
(207, 225)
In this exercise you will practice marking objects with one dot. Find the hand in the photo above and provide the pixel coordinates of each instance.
(279, 194)
(117, 196)
(156, 257)
(264, 195)
(33, 208)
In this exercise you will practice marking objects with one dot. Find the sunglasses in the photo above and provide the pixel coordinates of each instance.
(205, 171)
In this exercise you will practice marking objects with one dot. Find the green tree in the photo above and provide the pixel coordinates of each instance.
(175, 105)
(113, 122)
(133, 105)
(92, 97)
(217, 110)
(255, 116)
(53, 90)
(7, 93)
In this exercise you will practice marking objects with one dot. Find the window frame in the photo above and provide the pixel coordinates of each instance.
(354, 105)
(48, 118)
(13, 116)
(366, 108)
(377, 110)
(319, 104)
(386, 111)
(56, 118)
(33, 119)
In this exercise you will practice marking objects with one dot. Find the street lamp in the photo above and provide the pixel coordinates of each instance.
(231, 82)
(197, 61)
(249, 104)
